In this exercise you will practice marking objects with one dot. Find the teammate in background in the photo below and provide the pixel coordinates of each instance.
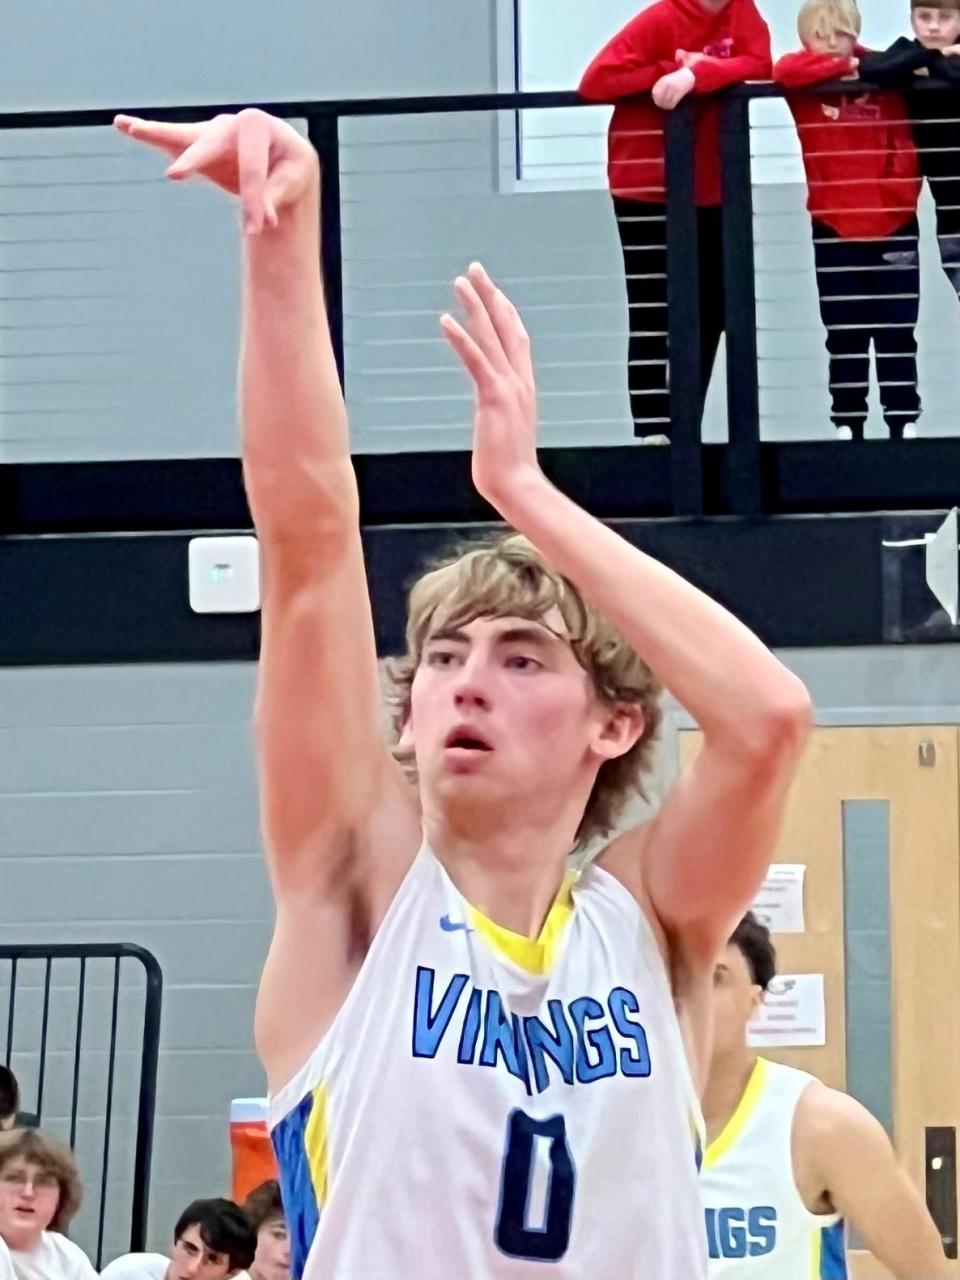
(213, 1240)
(475, 1061)
(789, 1162)
(670, 49)
(864, 183)
(9, 1099)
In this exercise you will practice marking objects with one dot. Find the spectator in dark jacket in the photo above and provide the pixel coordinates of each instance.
(933, 55)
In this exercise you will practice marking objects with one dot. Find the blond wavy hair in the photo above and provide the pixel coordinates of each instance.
(823, 17)
(505, 576)
(50, 1155)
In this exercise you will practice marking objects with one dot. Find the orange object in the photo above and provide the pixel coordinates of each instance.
(253, 1158)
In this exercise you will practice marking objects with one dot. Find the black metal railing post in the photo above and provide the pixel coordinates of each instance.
(683, 314)
(740, 309)
(147, 1100)
(323, 130)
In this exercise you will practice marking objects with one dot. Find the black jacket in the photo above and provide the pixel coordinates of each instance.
(933, 101)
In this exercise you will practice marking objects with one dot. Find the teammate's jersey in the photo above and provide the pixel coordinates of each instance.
(488, 1106)
(758, 1227)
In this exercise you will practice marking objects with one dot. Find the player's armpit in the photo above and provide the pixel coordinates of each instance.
(852, 1158)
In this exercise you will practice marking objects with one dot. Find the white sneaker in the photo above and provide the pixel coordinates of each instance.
(844, 433)
(653, 440)
(910, 432)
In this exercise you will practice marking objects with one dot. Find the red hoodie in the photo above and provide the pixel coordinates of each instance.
(736, 43)
(863, 175)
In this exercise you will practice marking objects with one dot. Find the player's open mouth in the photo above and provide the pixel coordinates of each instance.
(464, 739)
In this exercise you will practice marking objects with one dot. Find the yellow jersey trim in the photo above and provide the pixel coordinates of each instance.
(738, 1121)
(535, 955)
(316, 1145)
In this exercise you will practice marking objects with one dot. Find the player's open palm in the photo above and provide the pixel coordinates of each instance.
(251, 155)
(495, 349)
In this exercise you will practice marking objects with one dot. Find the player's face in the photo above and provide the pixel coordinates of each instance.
(29, 1199)
(735, 1000)
(836, 44)
(936, 28)
(273, 1252)
(193, 1259)
(502, 713)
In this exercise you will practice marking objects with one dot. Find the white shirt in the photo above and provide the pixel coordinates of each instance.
(490, 1107)
(6, 1266)
(137, 1266)
(758, 1227)
(54, 1258)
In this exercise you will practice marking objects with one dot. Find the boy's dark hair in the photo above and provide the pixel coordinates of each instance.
(223, 1227)
(935, 4)
(263, 1204)
(753, 941)
(9, 1095)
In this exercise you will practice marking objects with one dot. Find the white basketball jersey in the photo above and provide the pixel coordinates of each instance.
(487, 1106)
(758, 1227)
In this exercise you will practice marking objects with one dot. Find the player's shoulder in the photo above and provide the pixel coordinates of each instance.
(826, 1115)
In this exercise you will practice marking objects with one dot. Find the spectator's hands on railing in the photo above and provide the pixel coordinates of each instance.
(251, 155)
(687, 59)
(495, 350)
(673, 88)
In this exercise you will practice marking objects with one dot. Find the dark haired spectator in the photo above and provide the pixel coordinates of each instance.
(40, 1192)
(264, 1209)
(9, 1098)
(213, 1240)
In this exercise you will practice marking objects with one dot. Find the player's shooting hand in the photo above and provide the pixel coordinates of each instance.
(673, 88)
(251, 155)
(494, 347)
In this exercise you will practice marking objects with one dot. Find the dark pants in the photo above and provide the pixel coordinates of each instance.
(643, 237)
(946, 195)
(870, 290)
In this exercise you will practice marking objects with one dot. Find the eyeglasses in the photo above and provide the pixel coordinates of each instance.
(20, 1180)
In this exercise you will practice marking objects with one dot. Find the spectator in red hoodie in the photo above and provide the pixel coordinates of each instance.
(863, 179)
(670, 49)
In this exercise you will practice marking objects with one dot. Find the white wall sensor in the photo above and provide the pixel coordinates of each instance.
(224, 575)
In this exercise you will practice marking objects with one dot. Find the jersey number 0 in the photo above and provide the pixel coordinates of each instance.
(547, 1241)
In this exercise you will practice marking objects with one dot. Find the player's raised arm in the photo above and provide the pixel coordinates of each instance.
(329, 787)
(700, 861)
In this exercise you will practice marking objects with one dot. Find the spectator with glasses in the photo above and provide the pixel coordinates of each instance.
(40, 1192)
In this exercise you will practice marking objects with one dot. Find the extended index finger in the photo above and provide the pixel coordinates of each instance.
(172, 138)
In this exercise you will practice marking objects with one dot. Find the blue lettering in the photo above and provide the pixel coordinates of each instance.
(636, 1061)
(762, 1225)
(429, 1027)
(471, 1028)
(599, 1039)
(732, 1232)
(713, 1244)
(542, 1045)
(502, 1038)
(738, 1233)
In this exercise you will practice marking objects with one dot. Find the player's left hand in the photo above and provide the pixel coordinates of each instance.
(494, 347)
(673, 88)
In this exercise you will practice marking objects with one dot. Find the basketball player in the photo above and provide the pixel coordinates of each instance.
(791, 1162)
(475, 1064)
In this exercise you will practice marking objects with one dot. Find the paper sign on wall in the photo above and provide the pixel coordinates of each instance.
(779, 903)
(792, 1015)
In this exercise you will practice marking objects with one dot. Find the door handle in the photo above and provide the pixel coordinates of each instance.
(941, 1178)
